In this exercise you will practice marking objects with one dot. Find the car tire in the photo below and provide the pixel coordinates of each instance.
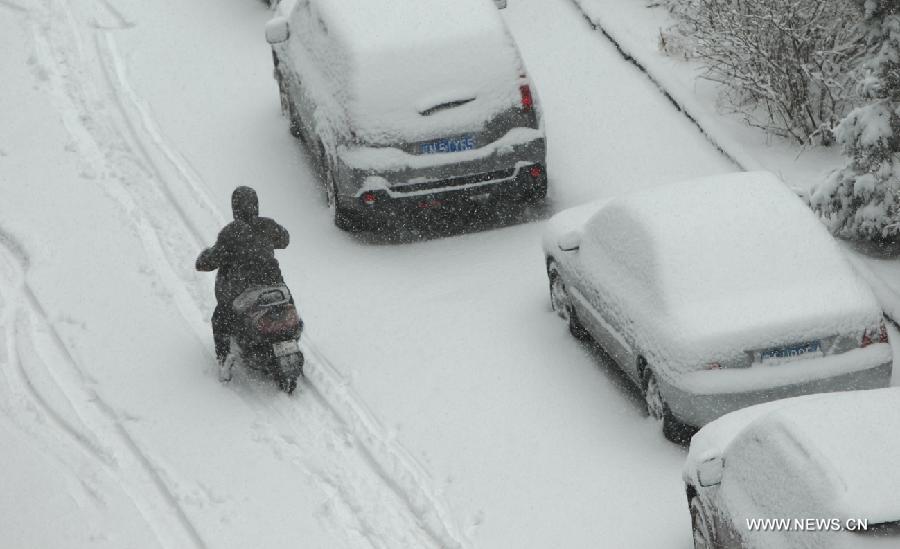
(288, 108)
(576, 328)
(704, 537)
(287, 384)
(560, 302)
(658, 409)
(346, 220)
(294, 120)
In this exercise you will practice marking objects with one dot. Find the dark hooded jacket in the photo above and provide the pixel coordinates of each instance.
(244, 252)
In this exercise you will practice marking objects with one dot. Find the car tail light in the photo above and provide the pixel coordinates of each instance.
(527, 99)
(369, 199)
(872, 335)
(430, 204)
(535, 171)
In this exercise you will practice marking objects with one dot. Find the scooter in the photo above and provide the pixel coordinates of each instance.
(266, 337)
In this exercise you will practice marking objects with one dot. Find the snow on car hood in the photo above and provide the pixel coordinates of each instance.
(851, 435)
(407, 56)
(733, 263)
(712, 440)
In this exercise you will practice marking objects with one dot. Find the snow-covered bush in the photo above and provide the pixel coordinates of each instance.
(674, 43)
(861, 200)
(784, 64)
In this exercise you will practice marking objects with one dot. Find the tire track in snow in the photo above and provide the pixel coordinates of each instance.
(339, 409)
(28, 409)
(395, 466)
(12, 6)
(100, 434)
(13, 265)
(113, 168)
(391, 462)
(120, 21)
(400, 470)
(369, 511)
(145, 125)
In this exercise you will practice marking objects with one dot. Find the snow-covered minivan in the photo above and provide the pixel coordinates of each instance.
(408, 105)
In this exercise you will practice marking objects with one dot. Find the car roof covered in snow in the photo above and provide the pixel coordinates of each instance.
(737, 252)
(384, 25)
(403, 58)
(851, 437)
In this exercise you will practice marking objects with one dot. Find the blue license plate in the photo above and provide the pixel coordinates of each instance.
(447, 145)
(794, 351)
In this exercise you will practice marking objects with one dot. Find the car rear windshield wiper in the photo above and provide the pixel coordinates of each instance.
(448, 105)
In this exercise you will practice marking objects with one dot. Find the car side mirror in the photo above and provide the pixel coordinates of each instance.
(709, 472)
(570, 241)
(277, 30)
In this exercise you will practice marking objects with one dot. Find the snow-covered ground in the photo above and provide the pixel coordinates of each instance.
(446, 406)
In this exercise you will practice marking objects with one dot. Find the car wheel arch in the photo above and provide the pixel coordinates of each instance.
(553, 275)
(553, 271)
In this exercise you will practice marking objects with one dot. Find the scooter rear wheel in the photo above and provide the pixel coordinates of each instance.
(287, 385)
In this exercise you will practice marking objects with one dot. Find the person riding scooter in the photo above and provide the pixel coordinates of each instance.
(244, 254)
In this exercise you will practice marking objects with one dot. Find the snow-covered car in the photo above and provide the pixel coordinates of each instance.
(409, 105)
(817, 471)
(716, 294)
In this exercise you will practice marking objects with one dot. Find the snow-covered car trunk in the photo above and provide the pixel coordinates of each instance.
(749, 297)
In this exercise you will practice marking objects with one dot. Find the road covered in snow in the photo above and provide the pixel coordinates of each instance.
(446, 406)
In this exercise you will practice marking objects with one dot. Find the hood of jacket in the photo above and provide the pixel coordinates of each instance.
(244, 204)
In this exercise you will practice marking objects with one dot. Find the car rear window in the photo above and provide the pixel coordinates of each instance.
(417, 70)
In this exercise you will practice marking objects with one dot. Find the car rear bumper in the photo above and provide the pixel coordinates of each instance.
(513, 167)
(513, 184)
(700, 397)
